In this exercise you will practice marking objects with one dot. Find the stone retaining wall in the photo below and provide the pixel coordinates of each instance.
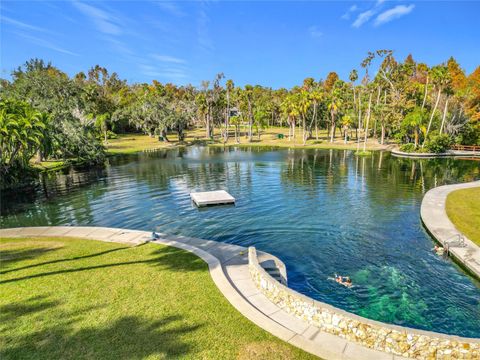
(391, 339)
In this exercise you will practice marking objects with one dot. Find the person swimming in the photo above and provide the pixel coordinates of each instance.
(439, 250)
(343, 280)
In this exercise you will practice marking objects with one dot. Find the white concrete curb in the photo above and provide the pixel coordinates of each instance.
(436, 221)
(228, 267)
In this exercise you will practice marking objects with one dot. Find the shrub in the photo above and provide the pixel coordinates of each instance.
(111, 135)
(408, 148)
(439, 143)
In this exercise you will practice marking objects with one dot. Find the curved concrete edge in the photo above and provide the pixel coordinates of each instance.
(377, 336)
(435, 219)
(454, 153)
(228, 267)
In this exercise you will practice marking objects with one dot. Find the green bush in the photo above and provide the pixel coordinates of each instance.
(469, 135)
(439, 143)
(111, 135)
(408, 148)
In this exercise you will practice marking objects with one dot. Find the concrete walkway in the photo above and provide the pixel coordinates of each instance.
(228, 266)
(449, 153)
(435, 219)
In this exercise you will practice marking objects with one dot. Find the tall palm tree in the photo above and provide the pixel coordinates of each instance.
(334, 104)
(440, 79)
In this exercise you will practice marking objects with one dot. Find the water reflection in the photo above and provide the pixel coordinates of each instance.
(321, 211)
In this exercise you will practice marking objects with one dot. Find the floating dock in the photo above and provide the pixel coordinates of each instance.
(219, 197)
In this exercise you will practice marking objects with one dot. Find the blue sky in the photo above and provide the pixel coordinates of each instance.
(272, 43)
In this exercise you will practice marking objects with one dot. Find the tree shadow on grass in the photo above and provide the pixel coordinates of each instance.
(63, 260)
(11, 256)
(127, 337)
(165, 258)
(14, 311)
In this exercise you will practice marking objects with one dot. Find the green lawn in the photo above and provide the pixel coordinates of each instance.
(131, 143)
(463, 209)
(64, 298)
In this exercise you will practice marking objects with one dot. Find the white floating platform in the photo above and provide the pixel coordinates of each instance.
(206, 198)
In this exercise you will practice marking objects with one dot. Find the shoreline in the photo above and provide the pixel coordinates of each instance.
(438, 225)
(311, 325)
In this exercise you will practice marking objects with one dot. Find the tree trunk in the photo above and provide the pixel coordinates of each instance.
(444, 115)
(332, 133)
(207, 133)
(425, 95)
(368, 120)
(39, 158)
(227, 118)
(383, 134)
(431, 117)
(375, 121)
(250, 121)
(304, 125)
(359, 121)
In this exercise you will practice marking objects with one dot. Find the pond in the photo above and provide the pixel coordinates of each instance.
(321, 211)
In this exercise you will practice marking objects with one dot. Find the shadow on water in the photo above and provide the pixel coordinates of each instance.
(128, 337)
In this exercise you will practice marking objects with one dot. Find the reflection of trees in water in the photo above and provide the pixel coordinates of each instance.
(394, 177)
(49, 186)
(204, 169)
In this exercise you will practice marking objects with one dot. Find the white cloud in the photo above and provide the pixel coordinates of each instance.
(362, 18)
(203, 34)
(168, 59)
(393, 13)
(45, 43)
(315, 32)
(170, 7)
(21, 25)
(349, 12)
(104, 22)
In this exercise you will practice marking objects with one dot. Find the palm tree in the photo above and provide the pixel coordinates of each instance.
(440, 79)
(333, 106)
(303, 104)
(229, 86)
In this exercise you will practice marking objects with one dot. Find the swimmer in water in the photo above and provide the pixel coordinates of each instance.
(439, 250)
(343, 280)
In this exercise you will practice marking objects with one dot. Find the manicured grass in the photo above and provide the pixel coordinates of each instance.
(131, 143)
(463, 209)
(66, 298)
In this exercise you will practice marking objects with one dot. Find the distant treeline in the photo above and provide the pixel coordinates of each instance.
(45, 114)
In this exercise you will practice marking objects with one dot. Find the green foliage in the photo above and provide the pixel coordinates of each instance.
(70, 132)
(469, 135)
(408, 148)
(438, 143)
(111, 135)
(22, 130)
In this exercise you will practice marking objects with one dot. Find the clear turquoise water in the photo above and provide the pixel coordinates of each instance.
(322, 212)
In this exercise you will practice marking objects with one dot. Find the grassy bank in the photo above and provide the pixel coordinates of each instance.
(131, 143)
(463, 209)
(78, 299)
